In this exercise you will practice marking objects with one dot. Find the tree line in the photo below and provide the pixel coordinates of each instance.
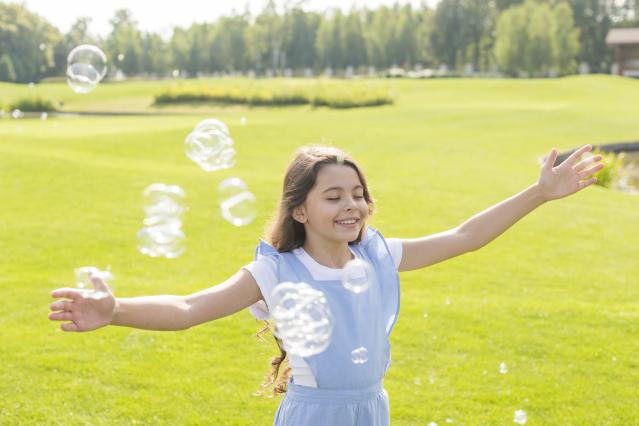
(513, 37)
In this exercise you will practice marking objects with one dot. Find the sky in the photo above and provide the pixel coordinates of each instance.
(159, 16)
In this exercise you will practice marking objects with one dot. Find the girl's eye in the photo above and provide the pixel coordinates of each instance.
(332, 199)
(358, 197)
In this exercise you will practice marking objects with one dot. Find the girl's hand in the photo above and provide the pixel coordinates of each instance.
(85, 309)
(567, 178)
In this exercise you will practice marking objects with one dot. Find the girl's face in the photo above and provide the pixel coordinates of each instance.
(335, 208)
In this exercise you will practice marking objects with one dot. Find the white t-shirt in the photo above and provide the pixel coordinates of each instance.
(264, 271)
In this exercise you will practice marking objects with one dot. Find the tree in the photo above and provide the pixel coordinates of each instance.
(124, 44)
(535, 39)
(7, 72)
(567, 39)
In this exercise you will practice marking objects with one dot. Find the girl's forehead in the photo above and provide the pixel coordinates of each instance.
(337, 175)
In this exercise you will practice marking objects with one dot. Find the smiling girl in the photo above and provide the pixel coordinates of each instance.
(319, 227)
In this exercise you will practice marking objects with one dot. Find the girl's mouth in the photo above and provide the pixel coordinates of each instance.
(348, 223)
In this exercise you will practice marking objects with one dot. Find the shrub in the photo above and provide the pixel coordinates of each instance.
(32, 104)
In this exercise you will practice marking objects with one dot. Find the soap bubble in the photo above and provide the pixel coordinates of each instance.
(359, 355)
(161, 241)
(83, 280)
(16, 113)
(162, 235)
(357, 276)
(212, 125)
(86, 67)
(303, 320)
(237, 203)
(243, 121)
(503, 369)
(212, 150)
(44, 116)
(520, 417)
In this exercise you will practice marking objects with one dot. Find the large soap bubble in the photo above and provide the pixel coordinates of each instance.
(357, 276)
(211, 149)
(303, 319)
(86, 67)
(162, 235)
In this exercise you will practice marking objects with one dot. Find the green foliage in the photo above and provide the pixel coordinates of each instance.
(536, 40)
(7, 71)
(257, 94)
(612, 167)
(33, 104)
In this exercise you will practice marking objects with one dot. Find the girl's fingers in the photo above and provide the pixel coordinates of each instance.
(575, 155)
(588, 161)
(585, 183)
(61, 305)
(69, 293)
(550, 160)
(69, 326)
(60, 316)
(585, 173)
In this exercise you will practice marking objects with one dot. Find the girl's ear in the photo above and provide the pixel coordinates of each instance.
(299, 214)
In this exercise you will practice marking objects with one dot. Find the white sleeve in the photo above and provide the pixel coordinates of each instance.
(395, 247)
(264, 272)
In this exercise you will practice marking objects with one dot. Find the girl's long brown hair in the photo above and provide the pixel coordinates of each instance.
(287, 234)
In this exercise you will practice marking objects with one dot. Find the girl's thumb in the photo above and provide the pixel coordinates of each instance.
(98, 282)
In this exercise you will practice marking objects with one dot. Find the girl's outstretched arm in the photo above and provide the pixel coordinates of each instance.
(163, 312)
(554, 183)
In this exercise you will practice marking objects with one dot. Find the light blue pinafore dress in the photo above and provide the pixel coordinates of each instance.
(347, 393)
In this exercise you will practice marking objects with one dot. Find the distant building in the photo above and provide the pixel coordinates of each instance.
(626, 43)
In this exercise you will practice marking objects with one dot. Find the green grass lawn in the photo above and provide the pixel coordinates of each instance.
(555, 298)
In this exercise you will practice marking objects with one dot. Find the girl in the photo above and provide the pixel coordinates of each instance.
(319, 227)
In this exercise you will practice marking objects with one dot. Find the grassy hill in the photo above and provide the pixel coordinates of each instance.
(555, 298)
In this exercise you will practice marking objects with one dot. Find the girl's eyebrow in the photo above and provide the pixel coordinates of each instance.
(339, 188)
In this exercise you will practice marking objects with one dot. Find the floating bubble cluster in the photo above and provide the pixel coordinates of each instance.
(83, 280)
(357, 276)
(210, 145)
(162, 235)
(86, 67)
(303, 320)
(237, 203)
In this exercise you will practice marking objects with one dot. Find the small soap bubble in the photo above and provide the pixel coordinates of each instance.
(449, 420)
(31, 85)
(44, 116)
(432, 424)
(16, 114)
(83, 276)
(121, 57)
(303, 320)
(175, 73)
(359, 355)
(447, 301)
(243, 121)
(42, 46)
(357, 276)
(86, 67)
(237, 203)
(520, 417)
(503, 369)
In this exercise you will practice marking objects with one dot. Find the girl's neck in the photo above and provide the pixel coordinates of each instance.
(330, 254)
